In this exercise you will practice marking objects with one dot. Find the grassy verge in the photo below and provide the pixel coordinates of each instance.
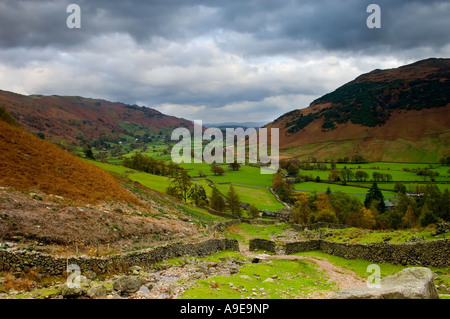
(260, 197)
(277, 279)
(364, 236)
(359, 266)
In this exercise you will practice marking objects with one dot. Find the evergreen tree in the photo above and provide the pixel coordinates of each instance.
(198, 195)
(427, 217)
(235, 166)
(89, 154)
(217, 202)
(253, 211)
(181, 183)
(374, 193)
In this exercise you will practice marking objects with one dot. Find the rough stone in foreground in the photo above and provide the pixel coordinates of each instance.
(97, 292)
(410, 283)
(126, 284)
(72, 293)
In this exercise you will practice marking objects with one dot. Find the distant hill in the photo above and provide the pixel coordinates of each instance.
(28, 163)
(400, 114)
(75, 118)
(236, 124)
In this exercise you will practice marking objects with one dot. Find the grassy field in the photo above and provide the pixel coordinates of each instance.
(292, 280)
(362, 236)
(410, 187)
(246, 175)
(359, 266)
(260, 197)
(358, 192)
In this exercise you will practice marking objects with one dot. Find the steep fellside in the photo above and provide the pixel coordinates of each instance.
(72, 117)
(400, 114)
(28, 163)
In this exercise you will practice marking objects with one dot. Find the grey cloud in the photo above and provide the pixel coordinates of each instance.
(211, 53)
(278, 26)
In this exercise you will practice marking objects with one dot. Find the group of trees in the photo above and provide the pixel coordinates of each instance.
(218, 170)
(333, 208)
(314, 164)
(231, 203)
(344, 175)
(284, 190)
(339, 208)
(151, 165)
(445, 160)
(182, 187)
(380, 177)
(432, 207)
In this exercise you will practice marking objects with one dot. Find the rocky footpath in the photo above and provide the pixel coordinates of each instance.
(163, 281)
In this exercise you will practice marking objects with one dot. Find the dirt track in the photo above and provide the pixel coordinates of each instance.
(344, 278)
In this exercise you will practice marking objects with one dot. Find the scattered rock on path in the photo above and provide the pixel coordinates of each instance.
(127, 285)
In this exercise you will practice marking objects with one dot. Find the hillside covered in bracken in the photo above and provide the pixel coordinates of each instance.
(400, 114)
(49, 196)
(74, 118)
(28, 163)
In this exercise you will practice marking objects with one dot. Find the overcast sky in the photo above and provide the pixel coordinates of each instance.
(212, 60)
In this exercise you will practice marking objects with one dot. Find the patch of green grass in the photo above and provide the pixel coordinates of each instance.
(159, 183)
(294, 279)
(364, 236)
(260, 197)
(199, 214)
(41, 293)
(359, 266)
(246, 175)
(113, 168)
(358, 192)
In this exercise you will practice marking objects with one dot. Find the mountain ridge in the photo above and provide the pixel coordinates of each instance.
(400, 114)
(73, 117)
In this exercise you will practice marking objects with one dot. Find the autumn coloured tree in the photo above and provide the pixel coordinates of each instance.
(233, 201)
(302, 211)
(282, 188)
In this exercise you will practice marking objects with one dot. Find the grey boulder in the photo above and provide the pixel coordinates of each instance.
(410, 283)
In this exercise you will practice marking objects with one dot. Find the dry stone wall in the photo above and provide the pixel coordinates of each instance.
(18, 261)
(263, 244)
(427, 253)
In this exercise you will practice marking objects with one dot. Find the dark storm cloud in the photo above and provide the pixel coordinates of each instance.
(274, 26)
(249, 59)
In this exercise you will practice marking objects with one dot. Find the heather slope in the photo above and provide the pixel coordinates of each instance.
(28, 163)
(74, 118)
(400, 114)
